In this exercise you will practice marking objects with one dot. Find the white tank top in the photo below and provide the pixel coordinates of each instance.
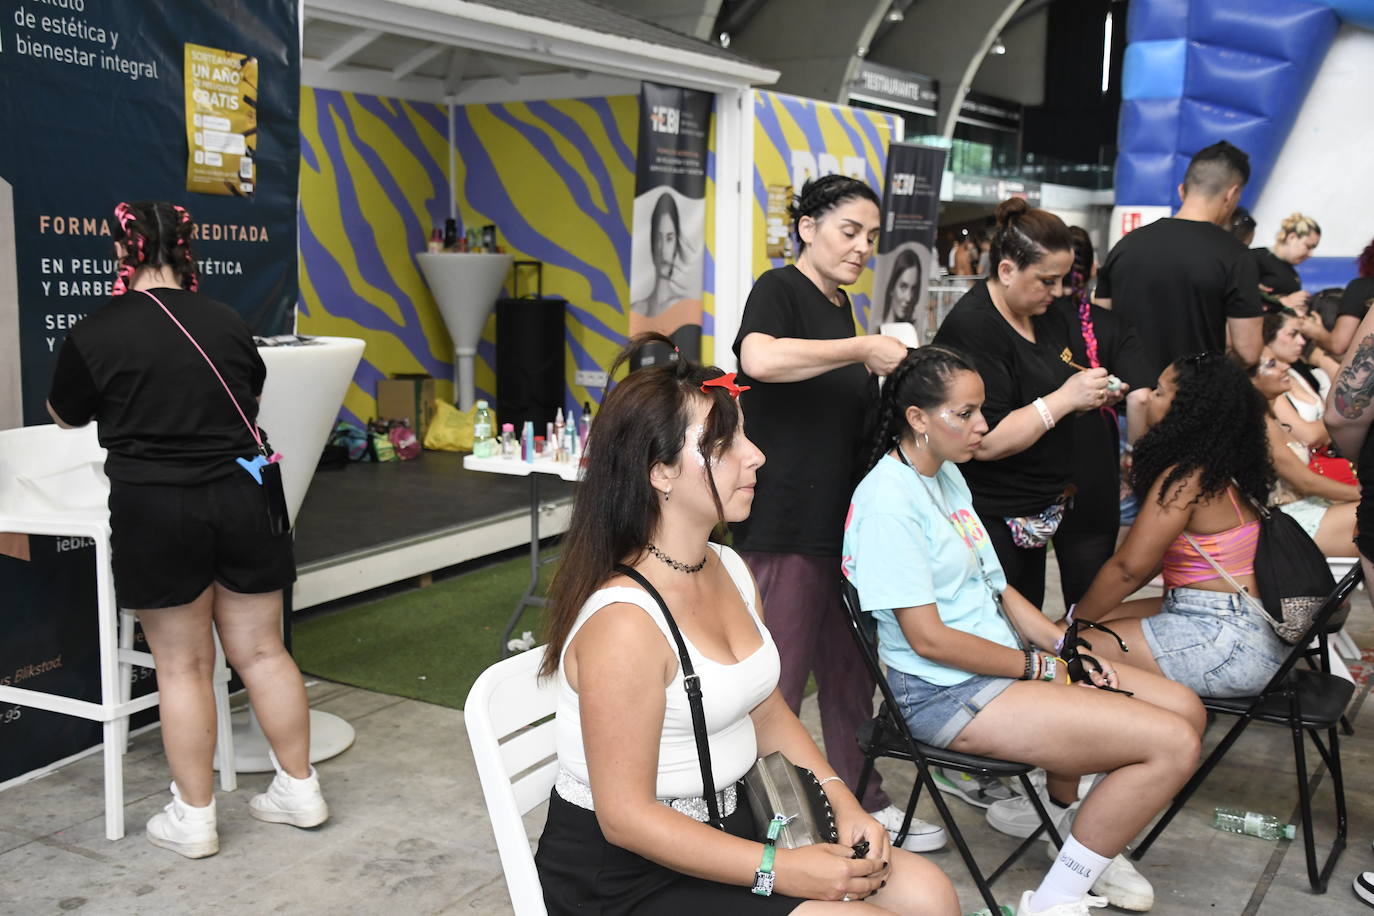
(729, 692)
(1310, 411)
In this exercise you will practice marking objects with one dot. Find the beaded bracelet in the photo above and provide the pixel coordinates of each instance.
(1044, 410)
(1030, 664)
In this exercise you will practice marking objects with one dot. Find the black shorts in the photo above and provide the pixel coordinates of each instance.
(582, 872)
(168, 543)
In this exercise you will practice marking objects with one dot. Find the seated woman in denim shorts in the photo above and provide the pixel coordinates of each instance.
(1198, 472)
(950, 632)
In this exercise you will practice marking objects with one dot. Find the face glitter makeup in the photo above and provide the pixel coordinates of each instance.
(694, 434)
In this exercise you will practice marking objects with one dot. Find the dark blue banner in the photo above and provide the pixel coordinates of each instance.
(93, 111)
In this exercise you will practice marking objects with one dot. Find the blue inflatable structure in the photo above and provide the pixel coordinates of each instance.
(1199, 71)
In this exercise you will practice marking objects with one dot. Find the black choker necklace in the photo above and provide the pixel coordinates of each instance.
(680, 567)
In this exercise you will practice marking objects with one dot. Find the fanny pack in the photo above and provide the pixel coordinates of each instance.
(1032, 531)
(265, 466)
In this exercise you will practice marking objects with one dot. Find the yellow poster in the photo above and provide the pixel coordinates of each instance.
(221, 121)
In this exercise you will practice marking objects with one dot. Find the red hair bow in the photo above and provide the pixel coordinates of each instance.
(726, 381)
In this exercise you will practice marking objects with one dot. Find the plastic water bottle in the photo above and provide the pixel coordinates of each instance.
(509, 447)
(483, 432)
(1250, 823)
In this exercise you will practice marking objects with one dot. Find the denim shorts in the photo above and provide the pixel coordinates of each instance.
(936, 715)
(1214, 642)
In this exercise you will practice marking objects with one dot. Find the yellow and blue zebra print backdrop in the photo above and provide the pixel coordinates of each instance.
(557, 180)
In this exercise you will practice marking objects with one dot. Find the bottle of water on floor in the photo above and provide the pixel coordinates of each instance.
(1250, 823)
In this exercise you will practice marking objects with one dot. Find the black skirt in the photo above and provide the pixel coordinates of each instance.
(581, 872)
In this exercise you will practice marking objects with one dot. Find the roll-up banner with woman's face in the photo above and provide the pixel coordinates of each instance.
(911, 204)
(669, 238)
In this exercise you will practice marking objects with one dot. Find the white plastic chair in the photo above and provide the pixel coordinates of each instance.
(52, 482)
(509, 716)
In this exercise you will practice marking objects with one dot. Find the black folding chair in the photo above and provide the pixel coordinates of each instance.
(1306, 701)
(887, 735)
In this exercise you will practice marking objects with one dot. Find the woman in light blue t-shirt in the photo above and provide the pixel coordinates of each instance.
(926, 570)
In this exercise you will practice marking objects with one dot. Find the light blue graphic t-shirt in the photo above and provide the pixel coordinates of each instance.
(907, 543)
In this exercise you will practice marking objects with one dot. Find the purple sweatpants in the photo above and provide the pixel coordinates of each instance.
(803, 611)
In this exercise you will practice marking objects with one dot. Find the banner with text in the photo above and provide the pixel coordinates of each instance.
(911, 209)
(99, 102)
(668, 245)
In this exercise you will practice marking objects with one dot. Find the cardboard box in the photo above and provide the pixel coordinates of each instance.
(407, 397)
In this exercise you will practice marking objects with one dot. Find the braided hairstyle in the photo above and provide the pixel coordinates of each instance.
(155, 234)
(821, 195)
(643, 422)
(1025, 234)
(1215, 425)
(921, 380)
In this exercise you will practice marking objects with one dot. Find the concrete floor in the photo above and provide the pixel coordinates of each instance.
(410, 834)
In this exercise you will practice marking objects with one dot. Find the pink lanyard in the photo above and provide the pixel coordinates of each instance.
(257, 437)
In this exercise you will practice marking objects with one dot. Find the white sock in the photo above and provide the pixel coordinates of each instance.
(1070, 877)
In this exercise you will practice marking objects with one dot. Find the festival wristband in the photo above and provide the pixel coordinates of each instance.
(1044, 410)
(1050, 668)
(763, 878)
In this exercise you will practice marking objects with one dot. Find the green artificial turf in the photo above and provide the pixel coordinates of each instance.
(427, 643)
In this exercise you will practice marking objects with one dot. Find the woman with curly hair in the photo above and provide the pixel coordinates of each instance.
(1198, 473)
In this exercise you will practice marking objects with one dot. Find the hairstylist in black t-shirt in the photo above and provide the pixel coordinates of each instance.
(1021, 474)
(1277, 265)
(192, 549)
(1087, 537)
(811, 386)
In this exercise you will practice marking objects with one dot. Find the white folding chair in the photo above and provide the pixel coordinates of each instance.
(52, 482)
(509, 715)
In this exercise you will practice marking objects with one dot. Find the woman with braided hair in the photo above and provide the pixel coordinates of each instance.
(973, 663)
(1097, 338)
(812, 385)
(193, 549)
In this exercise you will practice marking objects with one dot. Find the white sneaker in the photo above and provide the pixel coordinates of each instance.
(1077, 907)
(289, 800)
(979, 791)
(921, 836)
(1364, 887)
(1017, 817)
(183, 829)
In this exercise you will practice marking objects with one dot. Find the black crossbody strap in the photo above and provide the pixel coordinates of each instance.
(692, 684)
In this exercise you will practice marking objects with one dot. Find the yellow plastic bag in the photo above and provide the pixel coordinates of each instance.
(450, 429)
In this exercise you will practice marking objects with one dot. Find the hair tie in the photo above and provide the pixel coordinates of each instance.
(726, 381)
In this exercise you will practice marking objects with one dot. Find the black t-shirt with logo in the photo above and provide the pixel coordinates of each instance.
(1176, 281)
(810, 431)
(1276, 273)
(162, 413)
(1015, 372)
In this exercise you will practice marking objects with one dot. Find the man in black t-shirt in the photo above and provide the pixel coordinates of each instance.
(1185, 283)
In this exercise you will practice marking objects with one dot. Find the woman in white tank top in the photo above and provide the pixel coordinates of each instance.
(667, 466)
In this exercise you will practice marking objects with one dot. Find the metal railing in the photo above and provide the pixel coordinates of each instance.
(943, 293)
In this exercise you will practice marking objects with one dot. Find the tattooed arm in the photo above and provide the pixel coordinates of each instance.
(1348, 406)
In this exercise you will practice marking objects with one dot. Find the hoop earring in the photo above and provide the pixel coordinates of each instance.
(923, 441)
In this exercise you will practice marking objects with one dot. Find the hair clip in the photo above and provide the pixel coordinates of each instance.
(726, 381)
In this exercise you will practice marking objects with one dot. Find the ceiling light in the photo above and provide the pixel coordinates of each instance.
(895, 15)
(724, 39)
(861, 50)
(998, 47)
